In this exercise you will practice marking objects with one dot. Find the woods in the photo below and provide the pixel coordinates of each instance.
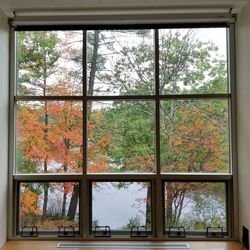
(194, 132)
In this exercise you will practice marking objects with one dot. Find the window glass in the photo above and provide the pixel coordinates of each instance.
(49, 137)
(121, 136)
(193, 61)
(122, 110)
(194, 136)
(49, 205)
(195, 205)
(49, 63)
(121, 205)
(120, 62)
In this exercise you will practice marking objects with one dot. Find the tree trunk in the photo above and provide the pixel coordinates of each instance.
(148, 207)
(93, 67)
(169, 204)
(73, 203)
(65, 169)
(183, 193)
(64, 204)
(46, 192)
(45, 200)
(45, 168)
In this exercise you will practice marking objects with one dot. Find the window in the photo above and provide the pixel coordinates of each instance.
(122, 128)
(206, 200)
(121, 205)
(62, 205)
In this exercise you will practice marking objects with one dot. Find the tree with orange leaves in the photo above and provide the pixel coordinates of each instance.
(29, 206)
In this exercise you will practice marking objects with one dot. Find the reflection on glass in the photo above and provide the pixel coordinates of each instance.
(49, 205)
(195, 205)
(194, 136)
(193, 61)
(49, 63)
(121, 136)
(120, 62)
(49, 137)
(121, 205)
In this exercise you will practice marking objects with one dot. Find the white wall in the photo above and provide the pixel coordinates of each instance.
(4, 71)
(243, 117)
(243, 114)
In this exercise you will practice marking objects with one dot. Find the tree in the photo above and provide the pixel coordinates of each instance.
(205, 200)
(37, 61)
(133, 222)
(29, 206)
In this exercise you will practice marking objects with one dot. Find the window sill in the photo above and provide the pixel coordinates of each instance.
(52, 245)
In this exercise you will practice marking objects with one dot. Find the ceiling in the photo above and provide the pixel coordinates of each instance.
(8, 6)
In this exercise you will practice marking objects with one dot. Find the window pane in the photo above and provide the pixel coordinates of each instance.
(195, 205)
(120, 62)
(49, 137)
(49, 63)
(194, 136)
(193, 61)
(121, 136)
(49, 205)
(121, 205)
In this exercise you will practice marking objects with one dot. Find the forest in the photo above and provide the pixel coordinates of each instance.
(131, 104)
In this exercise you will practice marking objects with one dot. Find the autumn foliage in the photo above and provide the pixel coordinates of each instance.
(29, 204)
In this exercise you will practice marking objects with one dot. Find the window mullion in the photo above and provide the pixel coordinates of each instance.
(157, 187)
(84, 211)
(47, 177)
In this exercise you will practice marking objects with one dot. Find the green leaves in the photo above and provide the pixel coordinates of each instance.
(37, 58)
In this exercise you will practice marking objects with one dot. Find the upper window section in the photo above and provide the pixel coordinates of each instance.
(120, 62)
(193, 61)
(49, 63)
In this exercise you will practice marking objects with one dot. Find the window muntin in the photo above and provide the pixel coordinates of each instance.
(193, 61)
(195, 205)
(121, 137)
(49, 137)
(49, 205)
(120, 62)
(209, 86)
(49, 63)
(121, 205)
(194, 136)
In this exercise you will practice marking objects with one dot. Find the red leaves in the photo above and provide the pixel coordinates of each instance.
(67, 187)
(100, 167)
(51, 130)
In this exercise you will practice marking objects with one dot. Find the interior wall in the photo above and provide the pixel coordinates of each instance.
(243, 117)
(243, 114)
(4, 93)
